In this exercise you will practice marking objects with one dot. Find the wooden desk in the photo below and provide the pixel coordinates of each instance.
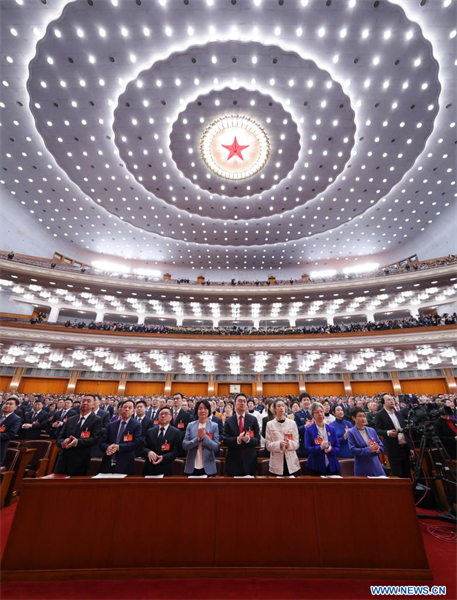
(220, 527)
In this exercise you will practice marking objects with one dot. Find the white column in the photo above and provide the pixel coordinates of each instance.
(215, 323)
(54, 314)
(329, 319)
(414, 310)
(178, 321)
(369, 316)
(256, 323)
(292, 321)
(99, 316)
(140, 318)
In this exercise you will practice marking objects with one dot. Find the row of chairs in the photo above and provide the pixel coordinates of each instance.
(25, 459)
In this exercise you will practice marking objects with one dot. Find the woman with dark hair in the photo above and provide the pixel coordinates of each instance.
(229, 409)
(201, 442)
(282, 442)
(365, 446)
(341, 426)
(294, 407)
(328, 417)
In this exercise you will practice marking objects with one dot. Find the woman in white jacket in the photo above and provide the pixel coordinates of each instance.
(282, 442)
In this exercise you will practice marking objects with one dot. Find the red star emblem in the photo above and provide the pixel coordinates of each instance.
(235, 149)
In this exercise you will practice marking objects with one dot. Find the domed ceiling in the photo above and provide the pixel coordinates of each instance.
(240, 134)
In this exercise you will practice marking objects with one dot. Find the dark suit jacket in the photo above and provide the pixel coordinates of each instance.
(172, 437)
(104, 416)
(38, 425)
(383, 423)
(182, 421)
(55, 431)
(125, 457)
(241, 458)
(9, 427)
(447, 436)
(76, 461)
(301, 417)
(146, 424)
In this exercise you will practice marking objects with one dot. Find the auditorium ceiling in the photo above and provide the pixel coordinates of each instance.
(230, 134)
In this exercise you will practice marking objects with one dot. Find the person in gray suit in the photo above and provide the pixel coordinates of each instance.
(201, 442)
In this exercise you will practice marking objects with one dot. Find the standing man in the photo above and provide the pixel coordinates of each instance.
(162, 446)
(302, 417)
(104, 415)
(34, 421)
(181, 418)
(78, 435)
(153, 410)
(241, 436)
(121, 439)
(10, 424)
(145, 422)
(61, 417)
(398, 447)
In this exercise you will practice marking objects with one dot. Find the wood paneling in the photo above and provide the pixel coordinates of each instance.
(324, 388)
(280, 388)
(313, 548)
(5, 383)
(190, 388)
(42, 385)
(223, 389)
(423, 386)
(144, 388)
(105, 388)
(371, 388)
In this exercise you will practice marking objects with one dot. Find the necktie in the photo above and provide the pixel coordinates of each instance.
(2, 419)
(120, 432)
(240, 424)
(175, 416)
(79, 426)
(34, 416)
(161, 435)
(64, 412)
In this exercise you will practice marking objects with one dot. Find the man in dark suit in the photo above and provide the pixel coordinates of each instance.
(241, 436)
(56, 422)
(24, 407)
(10, 424)
(145, 422)
(121, 439)
(181, 418)
(162, 446)
(397, 445)
(78, 435)
(105, 418)
(301, 417)
(153, 410)
(34, 422)
(109, 408)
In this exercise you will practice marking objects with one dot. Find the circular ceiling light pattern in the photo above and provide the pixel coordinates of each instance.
(185, 147)
(235, 147)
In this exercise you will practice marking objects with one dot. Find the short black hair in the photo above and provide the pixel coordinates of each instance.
(68, 400)
(356, 411)
(304, 395)
(94, 396)
(121, 404)
(179, 394)
(240, 394)
(14, 399)
(165, 408)
(141, 402)
(205, 403)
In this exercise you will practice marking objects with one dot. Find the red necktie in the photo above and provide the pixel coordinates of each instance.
(241, 424)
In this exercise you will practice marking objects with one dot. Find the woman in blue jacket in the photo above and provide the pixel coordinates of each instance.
(365, 446)
(341, 426)
(321, 443)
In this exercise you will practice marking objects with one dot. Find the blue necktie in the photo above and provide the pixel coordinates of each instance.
(120, 432)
